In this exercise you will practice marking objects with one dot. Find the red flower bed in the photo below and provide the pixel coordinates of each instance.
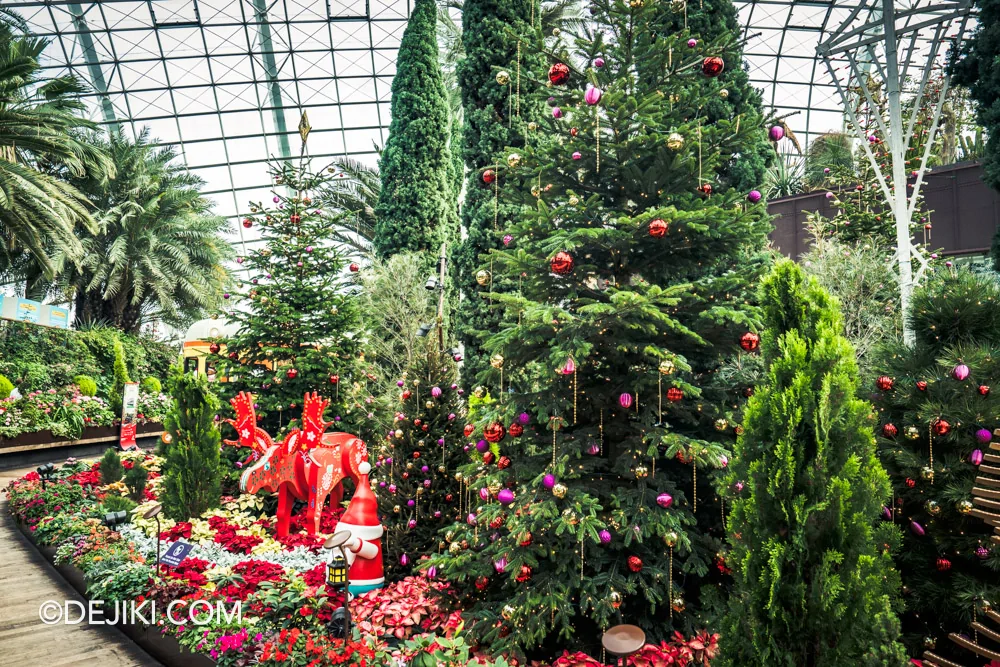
(327, 522)
(301, 647)
(190, 570)
(252, 573)
(87, 477)
(225, 534)
(180, 529)
(292, 540)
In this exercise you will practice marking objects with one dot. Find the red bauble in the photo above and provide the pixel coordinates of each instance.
(525, 540)
(889, 430)
(748, 391)
(488, 458)
(448, 497)
(674, 394)
(214, 348)
(468, 430)
(248, 223)
(884, 382)
(658, 228)
(749, 341)
(334, 379)
(984, 390)
(573, 131)
(562, 263)
(494, 432)
(712, 66)
(234, 356)
(943, 564)
(705, 188)
(406, 394)
(489, 176)
(524, 575)
(497, 522)
(515, 430)
(503, 462)
(482, 583)
(922, 385)
(634, 563)
(295, 218)
(559, 74)
(941, 427)
(291, 373)
(910, 482)
(354, 267)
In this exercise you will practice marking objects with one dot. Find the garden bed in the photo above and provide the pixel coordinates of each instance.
(94, 435)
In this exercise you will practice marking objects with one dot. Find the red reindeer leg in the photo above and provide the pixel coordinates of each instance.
(284, 510)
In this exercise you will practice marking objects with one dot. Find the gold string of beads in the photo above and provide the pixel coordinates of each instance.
(670, 583)
(694, 472)
(930, 439)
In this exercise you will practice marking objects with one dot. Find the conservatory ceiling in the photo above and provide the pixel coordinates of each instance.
(225, 81)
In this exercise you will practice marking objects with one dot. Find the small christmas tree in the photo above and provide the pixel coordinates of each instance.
(296, 314)
(191, 475)
(111, 467)
(938, 409)
(417, 489)
(814, 582)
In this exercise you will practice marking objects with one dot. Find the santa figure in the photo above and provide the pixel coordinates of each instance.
(364, 549)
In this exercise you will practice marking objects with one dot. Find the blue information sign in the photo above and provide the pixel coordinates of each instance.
(177, 552)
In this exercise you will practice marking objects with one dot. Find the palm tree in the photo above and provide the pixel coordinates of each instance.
(41, 133)
(830, 155)
(355, 192)
(158, 253)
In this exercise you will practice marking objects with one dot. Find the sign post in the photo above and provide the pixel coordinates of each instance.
(130, 404)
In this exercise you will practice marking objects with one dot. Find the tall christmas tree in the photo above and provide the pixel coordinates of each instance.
(296, 315)
(589, 480)
(814, 580)
(495, 116)
(417, 489)
(938, 413)
(416, 209)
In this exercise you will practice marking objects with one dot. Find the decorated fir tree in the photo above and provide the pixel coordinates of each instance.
(417, 462)
(417, 208)
(938, 408)
(297, 318)
(814, 582)
(496, 115)
(592, 500)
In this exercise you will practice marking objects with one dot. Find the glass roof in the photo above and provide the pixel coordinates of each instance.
(225, 81)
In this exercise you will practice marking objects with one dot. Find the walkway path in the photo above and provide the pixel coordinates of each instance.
(26, 581)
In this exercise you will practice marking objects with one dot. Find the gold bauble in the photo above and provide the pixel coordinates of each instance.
(514, 160)
(442, 469)
(641, 472)
(532, 126)
(398, 433)
(926, 472)
(671, 539)
(724, 93)
(985, 605)
(396, 509)
(570, 517)
(738, 430)
(964, 506)
(675, 141)
(930, 643)
(556, 32)
(420, 443)
(420, 490)
(496, 361)
(450, 535)
(615, 598)
(667, 366)
(429, 404)
(559, 490)
(454, 548)
(535, 190)
(678, 5)
(507, 612)
(635, 3)
(458, 477)
(493, 487)
(503, 77)
(911, 432)
(483, 277)
(574, 200)
(721, 424)
(479, 391)
(932, 507)
(678, 605)
(409, 465)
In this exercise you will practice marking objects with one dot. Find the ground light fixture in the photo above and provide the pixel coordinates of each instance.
(337, 578)
(154, 513)
(46, 472)
(431, 284)
(114, 519)
(623, 640)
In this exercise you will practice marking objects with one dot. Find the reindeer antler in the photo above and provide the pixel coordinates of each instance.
(313, 425)
(245, 422)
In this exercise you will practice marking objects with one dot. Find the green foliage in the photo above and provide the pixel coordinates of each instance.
(783, 178)
(120, 377)
(135, 480)
(632, 300)
(417, 207)
(191, 474)
(126, 581)
(830, 154)
(954, 315)
(159, 253)
(111, 467)
(115, 503)
(86, 384)
(354, 196)
(151, 385)
(5, 387)
(491, 30)
(813, 577)
(975, 67)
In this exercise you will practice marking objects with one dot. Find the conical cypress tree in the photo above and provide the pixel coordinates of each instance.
(416, 206)
(814, 582)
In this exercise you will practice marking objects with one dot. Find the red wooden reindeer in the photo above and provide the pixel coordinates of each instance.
(308, 465)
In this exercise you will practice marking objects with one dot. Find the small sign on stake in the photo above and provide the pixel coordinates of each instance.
(177, 552)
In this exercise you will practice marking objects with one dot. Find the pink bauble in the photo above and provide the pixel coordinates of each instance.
(976, 457)
(506, 496)
(983, 436)
(605, 536)
(598, 62)
(412, 523)
(664, 500)
(404, 560)
(435, 392)
(917, 529)
(549, 481)
(484, 493)
(507, 238)
(960, 372)
(982, 553)
(753, 196)
(392, 488)
(556, 112)
(567, 369)
(776, 133)
(886, 513)
(593, 95)
(577, 155)
(472, 520)
(432, 572)
(594, 449)
(692, 42)
(500, 564)
(625, 400)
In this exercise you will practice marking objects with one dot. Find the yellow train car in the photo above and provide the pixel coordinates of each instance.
(197, 351)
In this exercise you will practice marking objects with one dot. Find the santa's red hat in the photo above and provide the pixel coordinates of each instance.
(363, 508)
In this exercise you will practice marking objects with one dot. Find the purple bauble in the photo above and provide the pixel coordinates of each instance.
(506, 496)
(917, 529)
(524, 418)
(594, 449)
(776, 133)
(482, 446)
(435, 392)
(484, 493)
(605, 536)
(226, 295)
(664, 500)
(577, 155)
(404, 560)
(976, 457)
(411, 502)
(983, 436)
(598, 62)
(432, 572)
(829, 195)
(451, 418)
(960, 372)
(500, 564)
(692, 42)
(549, 481)
(472, 520)
(982, 553)
(388, 461)
(399, 383)
(886, 513)
(625, 400)
(556, 112)
(753, 196)
(593, 95)
(424, 469)
(412, 523)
